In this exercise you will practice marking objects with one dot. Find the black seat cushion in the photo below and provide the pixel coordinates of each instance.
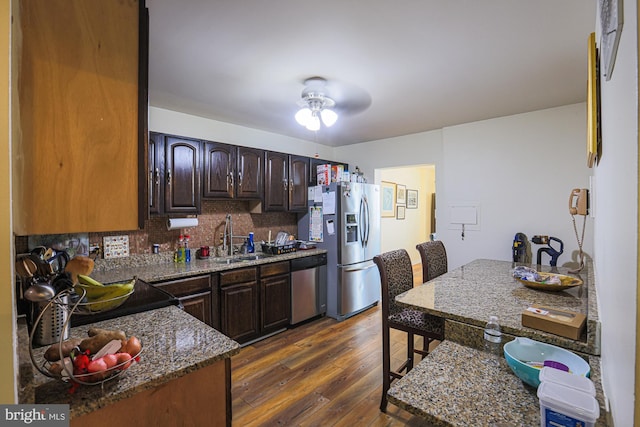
(419, 320)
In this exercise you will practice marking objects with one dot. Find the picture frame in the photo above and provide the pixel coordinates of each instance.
(593, 127)
(388, 199)
(400, 213)
(412, 199)
(401, 194)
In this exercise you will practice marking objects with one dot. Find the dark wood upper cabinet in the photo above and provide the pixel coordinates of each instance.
(174, 174)
(250, 173)
(298, 185)
(276, 181)
(156, 171)
(219, 170)
(285, 182)
(182, 175)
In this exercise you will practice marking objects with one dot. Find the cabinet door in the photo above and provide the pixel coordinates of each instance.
(298, 184)
(182, 175)
(77, 159)
(276, 303)
(199, 306)
(219, 170)
(156, 168)
(250, 173)
(239, 311)
(276, 181)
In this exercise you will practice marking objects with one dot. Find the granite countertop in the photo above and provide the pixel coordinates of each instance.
(174, 344)
(470, 294)
(160, 267)
(459, 386)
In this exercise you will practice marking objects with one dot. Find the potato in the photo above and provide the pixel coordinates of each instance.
(97, 331)
(53, 353)
(96, 342)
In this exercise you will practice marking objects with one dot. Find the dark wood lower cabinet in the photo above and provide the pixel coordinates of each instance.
(254, 301)
(194, 294)
(275, 298)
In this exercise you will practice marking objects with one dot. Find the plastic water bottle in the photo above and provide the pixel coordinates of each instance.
(492, 336)
(187, 251)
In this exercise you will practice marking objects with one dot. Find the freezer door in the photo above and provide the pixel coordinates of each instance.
(358, 287)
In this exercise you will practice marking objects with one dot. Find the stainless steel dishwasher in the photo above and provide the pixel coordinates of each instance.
(308, 287)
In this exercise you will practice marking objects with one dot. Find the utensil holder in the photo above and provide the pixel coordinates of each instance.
(53, 325)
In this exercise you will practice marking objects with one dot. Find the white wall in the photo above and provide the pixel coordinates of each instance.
(519, 169)
(616, 223)
(173, 122)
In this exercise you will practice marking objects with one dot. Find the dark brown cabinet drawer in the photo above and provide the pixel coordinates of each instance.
(187, 286)
(273, 269)
(238, 276)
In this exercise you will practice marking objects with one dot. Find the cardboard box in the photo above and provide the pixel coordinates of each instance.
(336, 173)
(565, 323)
(323, 174)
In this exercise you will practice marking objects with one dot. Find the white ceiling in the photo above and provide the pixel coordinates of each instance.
(419, 65)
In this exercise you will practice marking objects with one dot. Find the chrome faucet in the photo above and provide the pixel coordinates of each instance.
(228, 235)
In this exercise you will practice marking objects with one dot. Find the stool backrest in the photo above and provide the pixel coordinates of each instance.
(434, 259)
(396, 277)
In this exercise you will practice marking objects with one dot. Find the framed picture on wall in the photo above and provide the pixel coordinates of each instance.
(412, 199)
(400, 212)
(388, 199)
(401, 194)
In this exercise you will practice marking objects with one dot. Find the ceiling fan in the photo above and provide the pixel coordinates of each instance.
(322, 102)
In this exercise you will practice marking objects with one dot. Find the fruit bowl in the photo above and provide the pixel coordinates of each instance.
(526, 356)
(98, 377)
(92, 299)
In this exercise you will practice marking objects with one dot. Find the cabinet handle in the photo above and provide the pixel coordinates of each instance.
(239, 179)
(169, 177)
(284, 184)
(291, 186)
(230, 179)
(157, 176)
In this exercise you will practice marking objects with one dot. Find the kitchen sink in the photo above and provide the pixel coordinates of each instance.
(226, 260)
(254, 257)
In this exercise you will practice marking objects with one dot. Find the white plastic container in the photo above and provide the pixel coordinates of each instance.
(576, 382)
(562, 406)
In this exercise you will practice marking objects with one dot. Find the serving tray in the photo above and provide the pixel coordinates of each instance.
(566, 282)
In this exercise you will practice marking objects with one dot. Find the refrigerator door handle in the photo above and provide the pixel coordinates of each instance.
(366, 206)
(350, 270)
(361, 221)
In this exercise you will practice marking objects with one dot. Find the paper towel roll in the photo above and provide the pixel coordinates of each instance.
(176, 223)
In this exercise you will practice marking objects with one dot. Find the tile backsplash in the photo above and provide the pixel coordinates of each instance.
(208, 231)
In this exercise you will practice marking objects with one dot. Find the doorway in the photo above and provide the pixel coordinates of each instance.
(413, 221)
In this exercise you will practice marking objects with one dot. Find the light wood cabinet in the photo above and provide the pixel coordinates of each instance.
(79, 160)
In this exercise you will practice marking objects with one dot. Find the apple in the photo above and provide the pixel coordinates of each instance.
(111, 360)
(97, 365)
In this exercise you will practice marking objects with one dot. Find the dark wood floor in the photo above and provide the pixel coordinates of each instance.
(324, 373)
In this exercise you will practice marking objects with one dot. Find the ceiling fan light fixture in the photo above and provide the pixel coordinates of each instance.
(313, 124)
(316, 107)
(329, 117)
(303, 116)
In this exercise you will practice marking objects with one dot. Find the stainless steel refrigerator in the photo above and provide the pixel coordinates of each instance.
(350, 232)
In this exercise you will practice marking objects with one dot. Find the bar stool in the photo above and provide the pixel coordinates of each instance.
(434, 259)
(396, 277)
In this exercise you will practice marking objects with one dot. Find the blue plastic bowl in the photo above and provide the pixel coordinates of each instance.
(522, 354)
